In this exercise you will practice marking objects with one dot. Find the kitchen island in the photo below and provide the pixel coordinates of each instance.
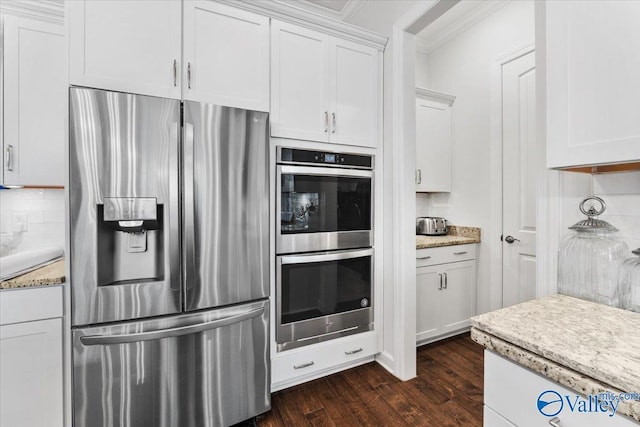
(590, 349)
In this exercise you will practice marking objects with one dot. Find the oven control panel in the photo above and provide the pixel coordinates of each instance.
(296, 156)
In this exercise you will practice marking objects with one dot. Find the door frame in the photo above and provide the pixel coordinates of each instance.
(496, 153)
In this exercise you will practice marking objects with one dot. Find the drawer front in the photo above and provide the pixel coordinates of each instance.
(27, 304)
(512, 391)
(433, 256)
(314, 358)
(493, 419)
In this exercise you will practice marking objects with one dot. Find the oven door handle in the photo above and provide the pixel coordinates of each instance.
(325, 256)
(323, 171)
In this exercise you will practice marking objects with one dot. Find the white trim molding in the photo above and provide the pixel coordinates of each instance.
(286, 12)
(427, 44)
(435, 95)
(43, 10)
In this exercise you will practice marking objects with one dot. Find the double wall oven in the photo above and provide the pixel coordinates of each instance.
(324, 245)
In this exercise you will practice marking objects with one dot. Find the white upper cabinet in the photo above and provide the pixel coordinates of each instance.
(226, 54)
(355, 92)
(323, 88)
(433, 141)
(127, 45)
(299, 83)
(34, 94)
(592, 86)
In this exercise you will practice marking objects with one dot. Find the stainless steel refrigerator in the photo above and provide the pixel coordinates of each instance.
(169, 216)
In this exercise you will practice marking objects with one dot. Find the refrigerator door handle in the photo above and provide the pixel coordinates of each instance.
(170, 332)
(189, 255)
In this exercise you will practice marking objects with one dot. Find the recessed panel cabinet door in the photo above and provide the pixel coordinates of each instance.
(299, 83)
(428, 302)
(433, 146)
(226, 56)
(592, 86)
(459, 295)
(354, 93)
(31, 387)
(34, 110)
(128, 46)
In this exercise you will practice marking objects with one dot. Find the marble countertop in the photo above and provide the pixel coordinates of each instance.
(51, 274)
(585, 346)
(458, 235)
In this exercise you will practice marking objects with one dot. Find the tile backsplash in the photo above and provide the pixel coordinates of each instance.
(621, 192)
(43, 210)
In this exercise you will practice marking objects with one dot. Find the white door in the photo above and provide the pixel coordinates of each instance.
(428, 302)
(520, 163)
(354, 93)
(31, 374)
(459, 297)
(299, 83)
(126, 45)
(226, 52)
(433, 145)
(35, 93)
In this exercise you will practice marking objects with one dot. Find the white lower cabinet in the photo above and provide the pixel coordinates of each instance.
(31, 359)
(306, 363)
(445, 291)
(511, 394)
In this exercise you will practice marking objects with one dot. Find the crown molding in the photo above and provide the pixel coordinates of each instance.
(311, 7)
(435, 95)
(43, 10)
(285, 11)
(434, 41)
(351, 9)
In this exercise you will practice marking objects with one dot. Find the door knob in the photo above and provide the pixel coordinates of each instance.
(511, 239)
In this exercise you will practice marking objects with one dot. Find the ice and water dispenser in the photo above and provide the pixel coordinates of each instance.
(130, 240)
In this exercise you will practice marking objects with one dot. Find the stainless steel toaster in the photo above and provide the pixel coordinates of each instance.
(431, 226)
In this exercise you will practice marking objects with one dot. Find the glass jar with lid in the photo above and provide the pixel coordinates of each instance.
(629, 288)
(590, 259)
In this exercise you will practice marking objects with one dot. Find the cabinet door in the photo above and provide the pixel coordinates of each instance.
(593, 90)
(299, 83)
(227, 51)
(459, 295)
(35, 92)
(433, 146)
(355, 93)
(126, 45)
(31, 371)
(428, 302)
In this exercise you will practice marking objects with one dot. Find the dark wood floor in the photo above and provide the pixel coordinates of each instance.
(446, 392)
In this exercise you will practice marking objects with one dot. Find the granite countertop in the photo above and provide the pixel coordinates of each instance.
(587, 347)
(457, 235)
(51, 274)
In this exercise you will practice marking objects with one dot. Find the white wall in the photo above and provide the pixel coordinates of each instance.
(422, 79)
(44, 209)
(462, 67)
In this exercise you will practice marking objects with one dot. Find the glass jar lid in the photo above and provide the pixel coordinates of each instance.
(592, 223)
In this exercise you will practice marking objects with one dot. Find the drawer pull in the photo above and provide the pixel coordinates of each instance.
(425, 257)
(304, 365)
(358, 350)
(460, 253)
(554, 422)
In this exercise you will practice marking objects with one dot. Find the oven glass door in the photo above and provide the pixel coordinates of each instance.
(324, 209)
(323, 293)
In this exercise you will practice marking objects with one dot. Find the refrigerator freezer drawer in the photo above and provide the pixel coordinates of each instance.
(203, 369)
